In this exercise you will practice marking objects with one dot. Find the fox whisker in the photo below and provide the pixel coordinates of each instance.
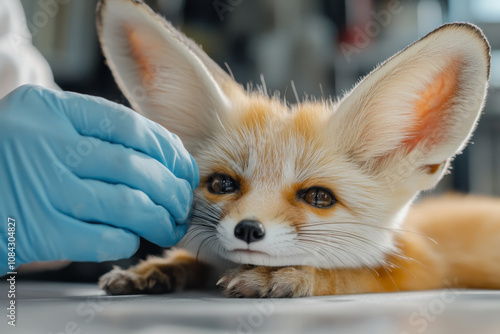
(398, 231)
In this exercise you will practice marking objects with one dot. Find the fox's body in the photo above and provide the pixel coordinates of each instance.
(448, 241)
(314, 198)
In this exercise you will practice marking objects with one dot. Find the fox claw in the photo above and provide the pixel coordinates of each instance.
(267, 282)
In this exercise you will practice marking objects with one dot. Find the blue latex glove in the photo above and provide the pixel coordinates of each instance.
(83, 178)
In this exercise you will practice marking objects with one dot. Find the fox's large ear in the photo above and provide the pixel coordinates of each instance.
(412, 114)
(164, 75)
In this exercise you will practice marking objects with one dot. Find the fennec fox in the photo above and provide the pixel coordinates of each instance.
(313, 198)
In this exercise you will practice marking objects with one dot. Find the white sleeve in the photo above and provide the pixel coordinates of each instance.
(20, 62)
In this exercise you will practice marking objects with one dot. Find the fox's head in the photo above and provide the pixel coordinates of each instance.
(317, 183)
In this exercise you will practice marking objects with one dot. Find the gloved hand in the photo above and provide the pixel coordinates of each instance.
(83, 178)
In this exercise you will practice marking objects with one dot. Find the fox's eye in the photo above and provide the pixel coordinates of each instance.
(318, 197)
(222, 184)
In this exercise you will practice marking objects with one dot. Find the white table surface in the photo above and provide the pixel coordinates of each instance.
(81, 308)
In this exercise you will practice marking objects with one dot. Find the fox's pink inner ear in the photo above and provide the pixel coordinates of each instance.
(164, 75)
(433, 107)
(137, 46)
(410, 116)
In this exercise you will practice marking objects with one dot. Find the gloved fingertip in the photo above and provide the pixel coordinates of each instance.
(189, 216)
(132, 244)
(196, 174)
(184, 200)
(180, 232)
(175, 235)
(120, 244)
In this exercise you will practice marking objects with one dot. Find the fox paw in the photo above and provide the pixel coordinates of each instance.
(267, 282)
(127, 282)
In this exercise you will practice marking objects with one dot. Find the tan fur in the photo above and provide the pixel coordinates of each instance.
(449, 241)
(393, 135)
(442, 249)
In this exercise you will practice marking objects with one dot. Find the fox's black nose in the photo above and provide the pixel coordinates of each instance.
(249, 231)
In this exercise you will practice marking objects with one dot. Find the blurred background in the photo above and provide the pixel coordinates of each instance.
(322, 46)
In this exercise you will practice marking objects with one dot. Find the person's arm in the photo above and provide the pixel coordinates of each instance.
(20, 62)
